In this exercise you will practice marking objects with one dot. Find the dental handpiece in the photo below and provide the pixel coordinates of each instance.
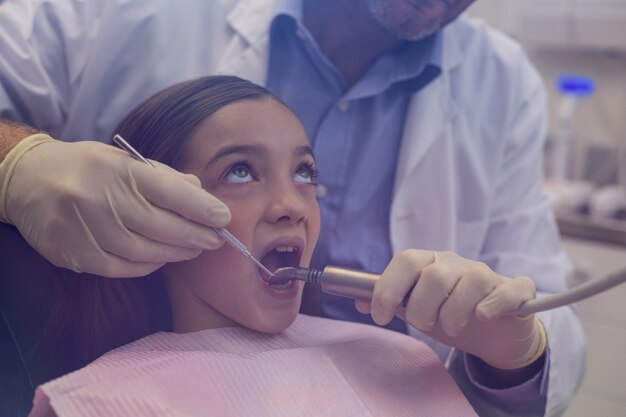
(358, 284)
(334, 280)
(225, 234)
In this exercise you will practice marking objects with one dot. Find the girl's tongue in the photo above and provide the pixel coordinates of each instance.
(281, 257)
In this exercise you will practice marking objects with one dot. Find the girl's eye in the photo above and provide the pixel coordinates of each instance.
(238, 174)
(305, 173)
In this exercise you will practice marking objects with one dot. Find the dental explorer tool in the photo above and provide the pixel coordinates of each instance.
(357, 284)
(225, 234)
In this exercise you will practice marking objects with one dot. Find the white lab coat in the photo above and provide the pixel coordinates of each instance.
(469, 171)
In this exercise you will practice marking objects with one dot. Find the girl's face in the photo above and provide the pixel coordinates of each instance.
(255, 157)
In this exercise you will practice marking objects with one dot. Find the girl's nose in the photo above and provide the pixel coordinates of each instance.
(287, 204)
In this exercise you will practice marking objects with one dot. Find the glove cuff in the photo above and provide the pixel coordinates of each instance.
(542, 343)
(9, 163)
(538, 343)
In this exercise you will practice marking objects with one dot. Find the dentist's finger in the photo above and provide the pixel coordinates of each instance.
(191, 179)
(170, 228)
(137, 248)
(396, 281)
(163, 188)
(476, 283)
(363, 306)
(506, 297)
(435, 285)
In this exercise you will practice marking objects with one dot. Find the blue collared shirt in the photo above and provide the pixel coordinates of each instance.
(355, 134)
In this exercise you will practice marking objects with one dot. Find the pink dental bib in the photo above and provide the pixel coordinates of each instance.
(317, 367)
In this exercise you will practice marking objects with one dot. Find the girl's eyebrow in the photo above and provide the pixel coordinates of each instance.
(238, 149)
(255, 150)
(304, 150)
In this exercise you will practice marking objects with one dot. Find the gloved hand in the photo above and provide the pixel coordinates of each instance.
(90, 207)
(461, 303)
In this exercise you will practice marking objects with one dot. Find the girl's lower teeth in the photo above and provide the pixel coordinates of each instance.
(281, 286)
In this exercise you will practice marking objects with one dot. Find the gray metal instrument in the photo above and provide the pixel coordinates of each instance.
(358, 284)
(225, 234)
(334, 280)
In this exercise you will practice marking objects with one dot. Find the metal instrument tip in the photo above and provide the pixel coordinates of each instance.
(282, 275)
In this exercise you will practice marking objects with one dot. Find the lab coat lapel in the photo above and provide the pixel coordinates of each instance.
(430, 112)
(247, 54)
(429, 120)
(428, 117)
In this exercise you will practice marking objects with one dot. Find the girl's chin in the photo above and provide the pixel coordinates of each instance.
(275, 323)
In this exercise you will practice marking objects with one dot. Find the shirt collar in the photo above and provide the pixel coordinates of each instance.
(432, 50)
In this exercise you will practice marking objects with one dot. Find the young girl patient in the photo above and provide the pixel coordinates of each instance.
(236, 345)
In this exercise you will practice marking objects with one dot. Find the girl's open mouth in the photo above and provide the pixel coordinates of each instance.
(279, 255)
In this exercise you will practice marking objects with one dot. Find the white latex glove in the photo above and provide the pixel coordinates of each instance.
(90, 207)
(461, 303)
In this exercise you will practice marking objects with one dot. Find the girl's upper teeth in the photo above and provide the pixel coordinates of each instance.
(284, 249)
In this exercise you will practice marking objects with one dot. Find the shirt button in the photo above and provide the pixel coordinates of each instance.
(320, 191)
(300, 33)
(343, 105)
